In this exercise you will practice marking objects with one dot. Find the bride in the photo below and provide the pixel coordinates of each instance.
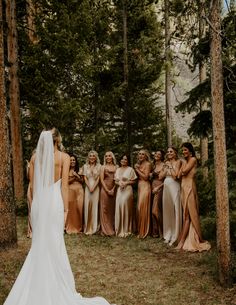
(46, 277)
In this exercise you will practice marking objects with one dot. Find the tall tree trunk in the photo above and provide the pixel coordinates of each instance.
(167, 75)
(202, 78)
(126, 79)
(7, 207)
(30, 21)
(220, 160)
(14, 95)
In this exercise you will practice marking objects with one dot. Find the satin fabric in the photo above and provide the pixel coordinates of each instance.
(172, 211)
(107, 204)
(124, 203)
(189, 199)
(75, 217)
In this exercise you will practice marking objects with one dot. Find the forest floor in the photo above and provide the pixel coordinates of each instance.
(129, 271)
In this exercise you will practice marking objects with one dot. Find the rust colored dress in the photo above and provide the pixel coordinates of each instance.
(157, 218)
(107, 204)
(189, 199)
(144, 203)
(74, 222)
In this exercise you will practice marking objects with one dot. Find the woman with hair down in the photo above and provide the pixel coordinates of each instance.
(190, 237)
(143, 170)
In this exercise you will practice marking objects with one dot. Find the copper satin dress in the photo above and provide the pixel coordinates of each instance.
(91, 200)
(189, 199)
(124, 202)
(144, 204)
(172, 211)
(74, 222)
(157, 222)
(107, 204)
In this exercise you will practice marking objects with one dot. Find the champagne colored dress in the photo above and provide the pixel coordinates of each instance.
(74, 222)
(124, 202)
(157, 222)
(172, 211)
(91, 200)
(144, 203)
(107, 204)
(189, 198)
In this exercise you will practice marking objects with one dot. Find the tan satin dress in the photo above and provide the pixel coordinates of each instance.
(157, 219)
(144, 204)
(91, 200)
(107, 204)
(74, 222)
(124, 202)
(189, 199)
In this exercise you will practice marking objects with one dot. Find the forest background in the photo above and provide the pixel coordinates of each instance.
(97, 71)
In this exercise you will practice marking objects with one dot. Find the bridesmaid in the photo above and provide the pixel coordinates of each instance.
(125, 177)
(107, 194)
(157, 191)
(143, 170)
(74, 221)
(172, 212)
(91, 171)
(190, 237)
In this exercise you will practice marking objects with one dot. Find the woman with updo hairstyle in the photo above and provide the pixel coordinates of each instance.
(157, 190)
(108, 194)
(74, 222)
(91, 172)
(190, 237)
(143, 170)
(172, 211)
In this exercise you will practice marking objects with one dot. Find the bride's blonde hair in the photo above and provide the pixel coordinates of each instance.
(57, 138)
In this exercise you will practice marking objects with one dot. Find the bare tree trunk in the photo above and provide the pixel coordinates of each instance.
(126, 79)
(202, 78)
(30, 21)
(167, 75)
(14, 95)
(220, 160)
(7, 206)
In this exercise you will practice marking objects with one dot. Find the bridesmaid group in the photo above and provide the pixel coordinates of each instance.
(101, 198)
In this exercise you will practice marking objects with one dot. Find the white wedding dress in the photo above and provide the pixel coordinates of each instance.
(46, 277)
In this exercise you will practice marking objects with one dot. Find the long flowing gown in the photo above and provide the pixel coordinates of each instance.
(189, 199)
(144, 204)
(157, 223)
(46, 277)
(124, 202)
(172, 211)
(91, 200)
(107, 204)
(74, 222)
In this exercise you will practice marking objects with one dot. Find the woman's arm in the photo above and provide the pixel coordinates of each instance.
(102, 179)
(64, 183)
(145, 173)
(188, 166)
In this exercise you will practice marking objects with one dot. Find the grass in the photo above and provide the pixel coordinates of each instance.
(129, 271)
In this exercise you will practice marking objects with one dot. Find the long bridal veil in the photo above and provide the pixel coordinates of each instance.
(46, 277)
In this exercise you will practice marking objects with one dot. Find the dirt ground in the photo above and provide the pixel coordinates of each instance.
(130, 271)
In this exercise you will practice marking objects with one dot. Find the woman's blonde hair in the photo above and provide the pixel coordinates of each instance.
(96, 154)
(57, 138)
(148, 158)
(113, 157)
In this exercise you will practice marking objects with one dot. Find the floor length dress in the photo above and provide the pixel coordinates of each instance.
(107, 204)
(143, 205)
(157, 222)
(46, 277)
(124, 202)
(74, 222)
(189, 199)
(172, 211)
(91, 200)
